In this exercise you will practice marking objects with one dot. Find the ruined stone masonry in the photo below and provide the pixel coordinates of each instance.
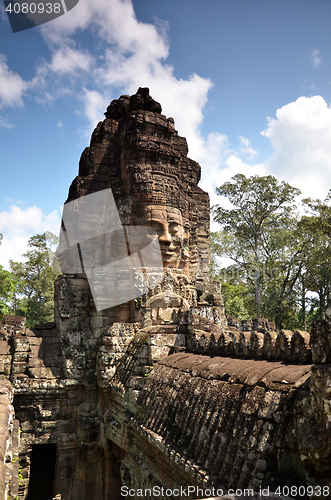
(161, 391)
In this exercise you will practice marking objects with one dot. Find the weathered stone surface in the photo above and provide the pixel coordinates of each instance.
(17, 321)
(222, 414)
(209, 338)
(320, 341)
(8, 443)
(162, 390)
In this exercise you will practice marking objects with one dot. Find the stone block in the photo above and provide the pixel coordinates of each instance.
(4, 347)
(18, 367)
(47, 361)
(320, 341)
(160, 340)
(52, 339)
(165, 315)
(45, 372)
(20, 356)
(44, 350)
(21, 345)
(5, 365)
(158, 352)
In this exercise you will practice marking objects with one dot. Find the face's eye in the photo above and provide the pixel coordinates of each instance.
(174, 227)
(157, 226)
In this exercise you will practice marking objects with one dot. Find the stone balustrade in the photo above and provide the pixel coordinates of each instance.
(250, 340)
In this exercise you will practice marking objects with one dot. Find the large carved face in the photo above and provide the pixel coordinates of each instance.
(173, 237)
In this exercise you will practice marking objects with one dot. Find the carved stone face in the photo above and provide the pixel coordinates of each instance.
(173, 237)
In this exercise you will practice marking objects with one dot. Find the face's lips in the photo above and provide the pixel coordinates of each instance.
(169, 248)
(168, 255)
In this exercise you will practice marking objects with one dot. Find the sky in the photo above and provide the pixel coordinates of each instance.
(248, 83)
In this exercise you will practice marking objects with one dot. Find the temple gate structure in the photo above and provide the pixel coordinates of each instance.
(162, 390)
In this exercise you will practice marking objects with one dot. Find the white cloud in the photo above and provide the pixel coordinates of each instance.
(68, 61)
(5, 123)
(12, 86)
(315, 58)
(129, 54)
(94, 105)
(114, 21)
(246, 148)
(301, 137)
(132, 55)
(220, 163)
(18, 225)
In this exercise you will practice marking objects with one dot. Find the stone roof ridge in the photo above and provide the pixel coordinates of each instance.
(254, 340)
(141, 100)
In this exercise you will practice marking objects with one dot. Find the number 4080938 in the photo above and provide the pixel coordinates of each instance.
(34, 8)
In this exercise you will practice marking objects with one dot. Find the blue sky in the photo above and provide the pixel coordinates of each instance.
(248, 82)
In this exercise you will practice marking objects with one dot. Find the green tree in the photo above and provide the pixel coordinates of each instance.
(318, 276)
(289, 246)
(262, 208)
(7, 289)
(235, 300)
(281, 266)
(35, 281)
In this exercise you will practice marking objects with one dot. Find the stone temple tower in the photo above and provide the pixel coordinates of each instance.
(137, 154)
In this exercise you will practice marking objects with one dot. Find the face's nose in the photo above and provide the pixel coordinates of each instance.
(165, 237)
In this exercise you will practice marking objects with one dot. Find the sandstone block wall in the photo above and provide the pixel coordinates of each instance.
(9, 436)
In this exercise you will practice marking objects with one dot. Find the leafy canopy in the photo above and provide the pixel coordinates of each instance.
(260, 235)
(35, 281)
(254, 199)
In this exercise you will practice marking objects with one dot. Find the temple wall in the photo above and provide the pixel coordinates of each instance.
(8, 443)
(160, 415)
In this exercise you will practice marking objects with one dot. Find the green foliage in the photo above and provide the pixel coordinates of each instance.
(318, 278)
(280, 257)
(19, 475)
(149, 368)
(7, 286)
(234, 301)
(35, 281)
(7, 290)
(255, 199)
(258, 235)
(4, 309)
